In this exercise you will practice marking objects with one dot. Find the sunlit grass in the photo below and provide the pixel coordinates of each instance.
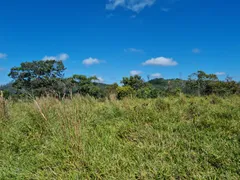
(84, 138)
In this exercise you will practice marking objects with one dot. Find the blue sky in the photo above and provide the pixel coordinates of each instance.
(116, 38)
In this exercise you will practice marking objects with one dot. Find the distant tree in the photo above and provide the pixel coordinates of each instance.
(85, 86)
(135, 82)
(38, 77)
(202, 83)
(227, 87)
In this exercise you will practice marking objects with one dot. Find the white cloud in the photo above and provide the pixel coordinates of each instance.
(134, 72)
(62, 57)
(160, 61)
(3, 56)
(220, 73)
(156, 75)
(49, 58)
(134, 50)
(134, 5)
(100, 79)
(196, 50)
(90, 61)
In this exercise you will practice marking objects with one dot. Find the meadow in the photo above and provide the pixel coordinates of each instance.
(85, 138)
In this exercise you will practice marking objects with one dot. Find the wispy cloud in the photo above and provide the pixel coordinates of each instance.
(196, 51)
(133, 5)
(62, 57)
(156, 75)
(135, 72)
(134, 50)
(160, 61)
(220, 73)
(91, 61)
(165, 9)
(100, 79)
(3, 56)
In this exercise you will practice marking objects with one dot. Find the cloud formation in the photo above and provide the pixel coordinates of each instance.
(62, 57)
(134, 72)
(160, 61)
(100, 79)
(134, 50)
(90, 61)
(220, 73)
(133, 5)
(156, 75)
(3, 56)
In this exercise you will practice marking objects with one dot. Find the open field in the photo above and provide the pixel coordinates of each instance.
(84, 138)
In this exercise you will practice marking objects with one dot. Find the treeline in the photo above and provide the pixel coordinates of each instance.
(44, 78)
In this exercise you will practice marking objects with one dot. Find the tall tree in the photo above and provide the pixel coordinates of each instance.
(38, 77)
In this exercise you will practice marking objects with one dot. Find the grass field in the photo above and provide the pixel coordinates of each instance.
(84, 138)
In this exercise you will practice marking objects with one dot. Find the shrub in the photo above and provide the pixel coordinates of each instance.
(125, 91)
(147, 92)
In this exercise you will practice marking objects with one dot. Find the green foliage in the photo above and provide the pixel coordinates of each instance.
(84, 138)
(226, 88)
(125, 91)
(85, 86)
(147, 92)
(38, 77)
(135, 82)
(202, 83)
(41, 78)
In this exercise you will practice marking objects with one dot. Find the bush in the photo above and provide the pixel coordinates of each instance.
(125, 91)
(147, 92)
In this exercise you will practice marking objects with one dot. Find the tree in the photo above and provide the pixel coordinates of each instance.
(85, 86)
(135, 82)
(202, 82)
(38, 77)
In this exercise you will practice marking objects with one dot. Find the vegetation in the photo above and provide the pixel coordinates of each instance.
(52, 127)
(42, 78)
(84, 138)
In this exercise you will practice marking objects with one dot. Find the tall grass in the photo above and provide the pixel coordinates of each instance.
(83, 138)
(3, 107)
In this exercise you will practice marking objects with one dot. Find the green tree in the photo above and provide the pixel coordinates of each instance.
(38, 77)
(85, 86)
(202, 83)
(135, 82)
